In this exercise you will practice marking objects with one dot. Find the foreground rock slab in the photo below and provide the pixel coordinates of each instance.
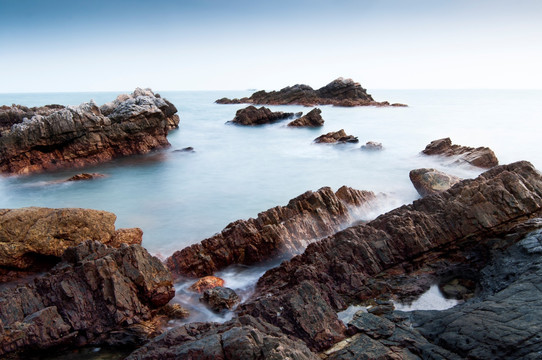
(27, 234)
(94, 292)
(339, 92)
(277, 231)
(482, 157)
(252, 115)
(76, 136)
(431, 181)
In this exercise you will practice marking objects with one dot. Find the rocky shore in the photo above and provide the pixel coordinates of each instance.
(53, 136)
(339, 92)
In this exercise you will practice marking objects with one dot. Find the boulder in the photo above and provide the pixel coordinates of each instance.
(220, 298)
(481, 157)
(205, 283)
(86, 134)
(311, 119)
(29, 234)
(276, 232)
(339, 92)
(372, 146)
(254, 116)
(336, 137)
(431, 181)
(96, 290)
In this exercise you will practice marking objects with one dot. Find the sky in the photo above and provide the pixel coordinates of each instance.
(75, 45)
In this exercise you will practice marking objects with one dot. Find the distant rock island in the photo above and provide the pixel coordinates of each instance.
(54, 136)
(339, 92)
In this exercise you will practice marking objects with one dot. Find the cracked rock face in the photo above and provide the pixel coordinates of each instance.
(95, 290)
(76, 136)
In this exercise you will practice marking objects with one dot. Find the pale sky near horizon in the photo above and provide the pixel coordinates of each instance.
(72, 45)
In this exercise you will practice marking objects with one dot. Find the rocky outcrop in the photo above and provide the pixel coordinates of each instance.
(254, 116)
(311, 119)
(372, 146)
(96, 294)
(339, 92)
(481, 157)
(302, 295)
(220, 298)
(244, 338)
(29, 234)
(277, 231)
(86, 134)
(431, 181)
(336, 137)
(14, 114)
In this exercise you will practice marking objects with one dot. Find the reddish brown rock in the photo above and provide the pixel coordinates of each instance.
(481, 157)
(254, 116)
(431, 181)
(311, 119)
(277, 231)
(28, 234)
(96, 290)
(336, 137)
(302, 295)
(205, 283)
(339, 92)
(86, 134)
(86, 176)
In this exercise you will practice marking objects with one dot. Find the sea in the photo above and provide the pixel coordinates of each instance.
(179, 198)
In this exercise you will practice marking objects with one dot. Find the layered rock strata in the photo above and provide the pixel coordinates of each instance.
(339, 92)
(431, 181)
(254, 116)
(28, 234)
(336, 137)
(482, 157)
(96, 294)
(277, 231)
(312, 119)
(86, 134)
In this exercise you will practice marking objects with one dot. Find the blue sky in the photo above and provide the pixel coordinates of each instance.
(209, 44)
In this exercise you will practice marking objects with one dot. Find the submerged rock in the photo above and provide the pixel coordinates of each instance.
(372, 146)
(275, 232)
(95, 292)
(29, 234)
(254, 116)
(86, 134)
(336, 137)
(339, 92)
(481, 157)
(431, 181)
(312, 119)
(86, 176)
(220, 298)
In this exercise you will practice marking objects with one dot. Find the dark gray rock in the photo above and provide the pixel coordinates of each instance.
(220, 298)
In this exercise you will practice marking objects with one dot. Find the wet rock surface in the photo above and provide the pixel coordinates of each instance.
(312, 119)
(336, 137)
(275, 232)
(482, 157)
(29, 234)
(431, 181)
(86, 134)
(97, 294)
(339, 92)
(252, 115)
(220, 298)
(205, 283)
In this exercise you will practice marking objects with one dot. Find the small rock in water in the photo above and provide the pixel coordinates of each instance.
(220, 298)
(336, 137)
(431, 181)
(86, 176)
(186, 149)
(312, 119)
(372, 145)
(205, 283)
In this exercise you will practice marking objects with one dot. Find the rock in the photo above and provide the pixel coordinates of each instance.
(186, 149)
(95, 289)
(86, 176)
(312, 119)
(206, 283)
(10, 115)
(174, 311)
(302, 295)
(276, 232)
(220, 298)
(86, 134)
(481, 157)
(339, 92)
(431, 181)
(372, 146)
(244, 338)
(336, 137)
(254, 116)
(29, 234)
